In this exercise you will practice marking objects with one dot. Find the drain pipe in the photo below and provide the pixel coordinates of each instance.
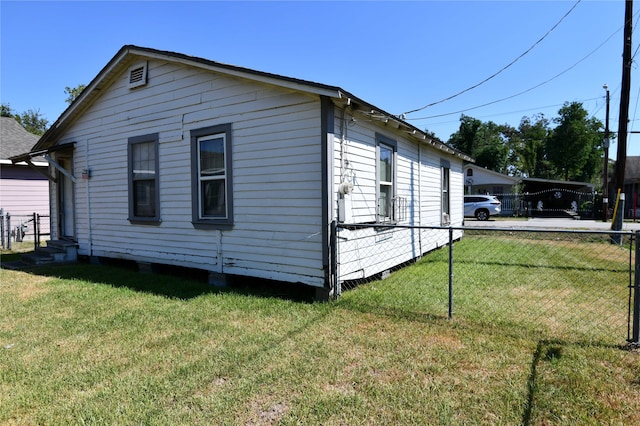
(86, 175)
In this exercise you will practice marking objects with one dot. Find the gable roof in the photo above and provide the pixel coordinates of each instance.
(14, 139)
(500, 177)
(130, 54)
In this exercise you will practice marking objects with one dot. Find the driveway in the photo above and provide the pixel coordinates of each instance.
(549, 223)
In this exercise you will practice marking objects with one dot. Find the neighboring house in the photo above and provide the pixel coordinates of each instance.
(171, 159)
(631, 187)
(480, 180)
(531, 196)
(559, 198)
(24, 189)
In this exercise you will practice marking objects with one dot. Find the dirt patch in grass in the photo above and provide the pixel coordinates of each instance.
(266, 413)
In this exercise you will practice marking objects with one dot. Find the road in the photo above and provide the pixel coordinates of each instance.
(549, 223)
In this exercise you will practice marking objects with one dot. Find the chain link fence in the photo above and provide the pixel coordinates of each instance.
(571, 285)
(20, 228)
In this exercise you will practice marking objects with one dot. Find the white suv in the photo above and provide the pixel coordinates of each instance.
(481, 206)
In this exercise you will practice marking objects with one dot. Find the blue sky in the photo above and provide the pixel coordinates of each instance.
(399, 56)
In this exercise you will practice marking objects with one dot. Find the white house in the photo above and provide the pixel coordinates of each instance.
(480, 180)
(172, 159)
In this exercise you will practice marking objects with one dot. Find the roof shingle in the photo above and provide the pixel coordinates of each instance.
(14, 139)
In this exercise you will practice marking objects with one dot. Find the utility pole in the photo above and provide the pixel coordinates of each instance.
(605, 192)
(624, 113)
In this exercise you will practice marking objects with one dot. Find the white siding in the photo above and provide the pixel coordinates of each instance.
(365, 252)
(276, 174)
(277, 179)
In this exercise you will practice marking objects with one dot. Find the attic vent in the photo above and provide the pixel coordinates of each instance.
(138, 75)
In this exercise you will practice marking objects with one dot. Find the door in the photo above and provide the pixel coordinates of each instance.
(65, 200)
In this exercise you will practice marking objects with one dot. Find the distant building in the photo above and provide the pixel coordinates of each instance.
(479, 180)
(24, 188)
(532, 196)
(631, 187)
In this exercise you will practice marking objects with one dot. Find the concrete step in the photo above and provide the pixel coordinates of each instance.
(56, 251)
(37, 258)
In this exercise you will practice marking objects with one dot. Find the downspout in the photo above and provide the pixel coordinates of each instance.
(88, 189)
(326, 170)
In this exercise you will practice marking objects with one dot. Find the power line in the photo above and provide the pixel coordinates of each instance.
(503, 68)
(524, 91)
(539, 108)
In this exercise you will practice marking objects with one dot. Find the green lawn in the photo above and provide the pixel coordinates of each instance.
(105, 345)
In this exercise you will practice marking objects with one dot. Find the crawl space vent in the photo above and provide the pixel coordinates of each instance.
(138, 75)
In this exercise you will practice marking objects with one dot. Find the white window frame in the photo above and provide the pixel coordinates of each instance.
(386, 144)
(198, 136)
(217, 176)
(445, 199)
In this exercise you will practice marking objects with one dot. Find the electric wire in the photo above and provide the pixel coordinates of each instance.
(526, 90)
(633, 31)
(538, 108)
(502, 69)
(635, 110)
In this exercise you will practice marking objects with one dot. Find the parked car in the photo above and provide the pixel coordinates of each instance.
(481, 206)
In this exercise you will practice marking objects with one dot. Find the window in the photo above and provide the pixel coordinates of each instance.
(469, 172)
(445, 203)
(144, 201)
(211, 176)
(386, 178)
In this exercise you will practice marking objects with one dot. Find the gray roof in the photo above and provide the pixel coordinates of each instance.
(14, 139)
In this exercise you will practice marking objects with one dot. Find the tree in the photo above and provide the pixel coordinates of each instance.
(430, 134)
(6, 111)
(574, 147)
(73, 93)
(529, 148)
(573, 150)
(486, 142)
(33, 121)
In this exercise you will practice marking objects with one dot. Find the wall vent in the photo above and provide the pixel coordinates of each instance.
(138, 75)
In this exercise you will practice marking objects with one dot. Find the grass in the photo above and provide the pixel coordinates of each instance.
(102, 344)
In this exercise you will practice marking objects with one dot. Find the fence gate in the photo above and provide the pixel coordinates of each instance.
(559, 202)
(23, 228)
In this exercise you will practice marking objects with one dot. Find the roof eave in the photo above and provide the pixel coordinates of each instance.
(119, 61)
(241, 72)
(375, 113)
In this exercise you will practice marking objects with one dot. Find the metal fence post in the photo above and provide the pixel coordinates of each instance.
(635, 326)
(450, 272)
(2, 227)
(9, 231)
(36, 231)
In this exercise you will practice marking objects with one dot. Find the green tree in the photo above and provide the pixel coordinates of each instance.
(530, 157)
(33, 121)
(486, 142)
(6, 111)
(574, 147)
(73, 92)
